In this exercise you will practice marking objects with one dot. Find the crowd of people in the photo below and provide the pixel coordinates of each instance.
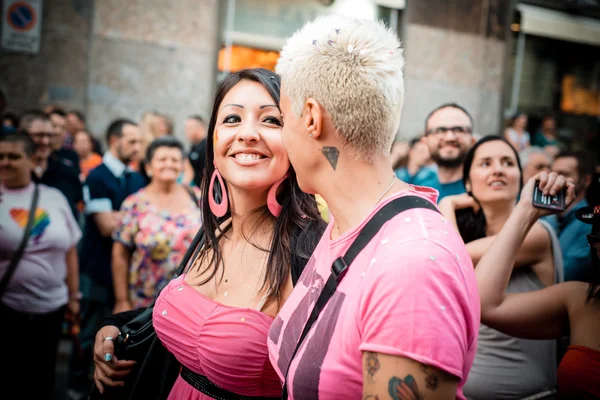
(468, 290)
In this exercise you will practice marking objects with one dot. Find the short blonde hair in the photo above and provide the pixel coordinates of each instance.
(354, 69)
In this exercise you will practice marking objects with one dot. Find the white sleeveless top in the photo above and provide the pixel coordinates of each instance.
(506, 367)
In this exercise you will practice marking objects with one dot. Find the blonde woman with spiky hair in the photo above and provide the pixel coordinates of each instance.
(402, 319)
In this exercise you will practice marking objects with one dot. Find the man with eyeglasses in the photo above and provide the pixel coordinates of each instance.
(49, 169)
(448, 133)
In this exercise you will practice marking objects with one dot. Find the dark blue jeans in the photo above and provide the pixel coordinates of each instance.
(30, 347)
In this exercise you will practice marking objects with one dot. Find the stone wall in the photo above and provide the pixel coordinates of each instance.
(152, 55)
(58, 74)
(455, 52)
(113, 58)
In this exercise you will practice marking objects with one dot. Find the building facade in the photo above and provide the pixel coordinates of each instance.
(553, 68)
(113, 58)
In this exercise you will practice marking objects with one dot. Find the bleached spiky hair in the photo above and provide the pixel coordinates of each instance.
(354, 69)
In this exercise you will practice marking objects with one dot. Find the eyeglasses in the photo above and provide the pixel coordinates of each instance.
(41, 135)
(457, 130)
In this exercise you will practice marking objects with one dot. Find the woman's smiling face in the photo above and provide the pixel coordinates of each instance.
(247, 143)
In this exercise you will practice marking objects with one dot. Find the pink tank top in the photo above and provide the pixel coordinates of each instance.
(228, 345)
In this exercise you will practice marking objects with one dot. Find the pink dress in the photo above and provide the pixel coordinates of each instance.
(228, 345)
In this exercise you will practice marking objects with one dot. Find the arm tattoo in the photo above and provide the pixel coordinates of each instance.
(332, 154)
(404, 389)
(431, 379)
(372, 365)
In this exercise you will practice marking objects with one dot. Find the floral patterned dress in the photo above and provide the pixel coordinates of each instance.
(158, 240)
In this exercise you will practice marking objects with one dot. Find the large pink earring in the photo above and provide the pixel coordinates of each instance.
(272, 203)
(219, 210)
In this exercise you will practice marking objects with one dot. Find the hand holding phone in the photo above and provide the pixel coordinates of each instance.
(549, 202)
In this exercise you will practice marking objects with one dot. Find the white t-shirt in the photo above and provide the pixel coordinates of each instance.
(38, 284)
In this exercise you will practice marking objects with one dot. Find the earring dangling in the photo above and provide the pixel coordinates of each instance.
(218, 209)
(272, 203)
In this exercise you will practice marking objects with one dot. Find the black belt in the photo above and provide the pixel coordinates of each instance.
(204, 385)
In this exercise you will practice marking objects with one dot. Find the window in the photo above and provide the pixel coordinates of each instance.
(241, 57)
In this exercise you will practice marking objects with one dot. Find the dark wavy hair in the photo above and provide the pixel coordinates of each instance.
(472, 225)
(20, 137)
(298, 228)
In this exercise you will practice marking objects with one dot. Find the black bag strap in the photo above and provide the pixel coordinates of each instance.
(190, 254)
(192, 251)
(341, 264)
(142, 319)
(193, 196)
(16, 258)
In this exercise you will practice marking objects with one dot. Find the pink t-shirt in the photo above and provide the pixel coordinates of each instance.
(411, 293)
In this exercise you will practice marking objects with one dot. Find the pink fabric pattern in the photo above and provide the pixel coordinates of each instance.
(228, 345)
(410, 293)
(158, 240)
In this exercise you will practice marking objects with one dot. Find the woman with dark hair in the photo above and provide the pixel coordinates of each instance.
(158, 224)
(83, 145)
(259, 227)
(516, 133)
(569, 308)
(505, 367)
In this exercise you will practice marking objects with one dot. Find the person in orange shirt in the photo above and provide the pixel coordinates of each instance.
(83, 146)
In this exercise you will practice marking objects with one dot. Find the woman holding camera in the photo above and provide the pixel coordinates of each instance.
(569, 308)
(505, 367)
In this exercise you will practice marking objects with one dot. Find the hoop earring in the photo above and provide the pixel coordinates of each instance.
(220, 209)
(272, 203)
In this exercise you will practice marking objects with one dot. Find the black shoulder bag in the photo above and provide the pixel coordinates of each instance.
(341, 264)
(18, 255)
(156, 369)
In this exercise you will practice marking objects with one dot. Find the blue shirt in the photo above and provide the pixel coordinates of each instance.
(572, 234)
(450, 189)
(428, 176)
(105, 189)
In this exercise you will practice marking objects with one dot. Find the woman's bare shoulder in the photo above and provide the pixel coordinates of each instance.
(574, 294)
